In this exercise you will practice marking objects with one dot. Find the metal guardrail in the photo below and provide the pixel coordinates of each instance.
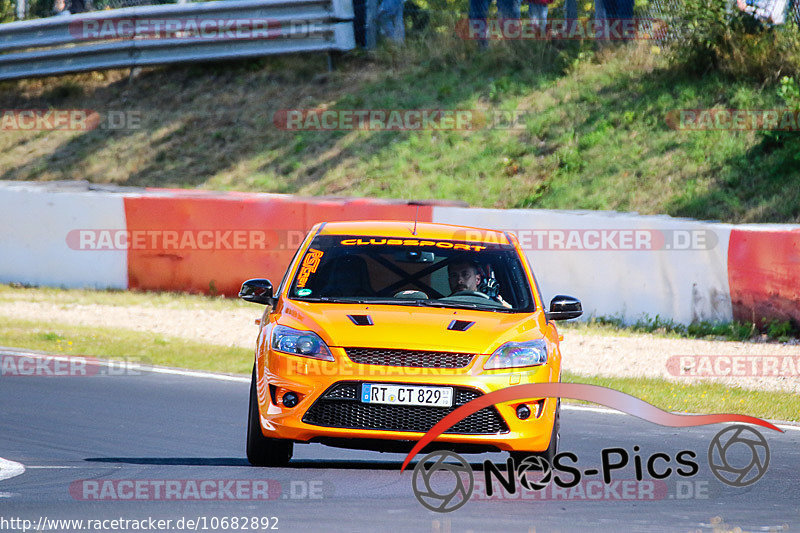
(125, 38)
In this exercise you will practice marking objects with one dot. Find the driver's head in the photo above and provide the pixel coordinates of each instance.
(463, 275)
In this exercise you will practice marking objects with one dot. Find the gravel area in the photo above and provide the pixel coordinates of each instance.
(640, 355)
(648, 355)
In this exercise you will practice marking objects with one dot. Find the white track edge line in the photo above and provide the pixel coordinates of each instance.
(9, 469)
(94, 361)
(778, 423)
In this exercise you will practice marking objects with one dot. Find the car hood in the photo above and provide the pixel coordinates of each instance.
(410, 327)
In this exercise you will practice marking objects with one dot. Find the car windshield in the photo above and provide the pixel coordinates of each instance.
(422, 272)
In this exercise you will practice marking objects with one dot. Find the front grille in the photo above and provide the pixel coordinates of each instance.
(340, 407)
(408, 358)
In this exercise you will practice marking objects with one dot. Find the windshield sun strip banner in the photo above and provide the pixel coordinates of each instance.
(420, 243)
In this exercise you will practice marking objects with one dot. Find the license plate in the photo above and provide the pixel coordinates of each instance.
(406, 394)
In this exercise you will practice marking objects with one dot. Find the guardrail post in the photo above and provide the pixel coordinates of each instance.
(371, 28)
(22, 8)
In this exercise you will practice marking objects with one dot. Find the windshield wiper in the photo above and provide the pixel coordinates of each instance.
(458, 305)
(467, 305)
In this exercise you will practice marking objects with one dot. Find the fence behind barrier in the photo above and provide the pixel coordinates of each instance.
(152, 35)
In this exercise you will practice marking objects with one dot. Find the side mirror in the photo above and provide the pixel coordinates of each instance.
(258, 291)
(564, 308)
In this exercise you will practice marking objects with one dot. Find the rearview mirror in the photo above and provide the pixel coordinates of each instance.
(258, 291)
(564, 308)
(414, 256)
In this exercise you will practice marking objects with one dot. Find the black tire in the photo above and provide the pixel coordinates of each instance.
(552, 450)
(263, 451)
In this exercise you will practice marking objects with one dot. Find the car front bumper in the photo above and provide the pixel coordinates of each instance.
(310, 379)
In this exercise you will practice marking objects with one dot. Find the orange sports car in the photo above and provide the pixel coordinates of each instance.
(380, 329)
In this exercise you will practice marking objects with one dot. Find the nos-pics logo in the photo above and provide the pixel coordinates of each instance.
(441, 486)
(443, 481)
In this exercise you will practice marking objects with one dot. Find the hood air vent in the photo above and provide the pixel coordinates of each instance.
(361, 320)
(460, 325)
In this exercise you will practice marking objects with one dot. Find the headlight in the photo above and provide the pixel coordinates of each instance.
(302, 343)
(517, 354)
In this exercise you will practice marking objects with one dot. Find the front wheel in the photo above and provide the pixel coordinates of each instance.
(552, 450)
(263, 451)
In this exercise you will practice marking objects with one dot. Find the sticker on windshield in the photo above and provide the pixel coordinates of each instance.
(309, 266)
(303, 292)
(413, 242)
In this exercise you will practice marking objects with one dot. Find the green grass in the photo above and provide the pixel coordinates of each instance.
(700, 398)
(121, 344)
(593, 133)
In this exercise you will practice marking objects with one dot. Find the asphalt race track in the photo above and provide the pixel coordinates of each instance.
(69, 432)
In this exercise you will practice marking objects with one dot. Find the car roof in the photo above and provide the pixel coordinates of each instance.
(405, 230)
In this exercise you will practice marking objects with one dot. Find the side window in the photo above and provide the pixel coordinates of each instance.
(535, 281)
(286, 272)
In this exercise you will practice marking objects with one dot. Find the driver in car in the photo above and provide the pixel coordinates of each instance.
(465, 275)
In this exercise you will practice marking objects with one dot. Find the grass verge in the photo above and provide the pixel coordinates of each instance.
(591, 130)
(121, 344)
(700, 397)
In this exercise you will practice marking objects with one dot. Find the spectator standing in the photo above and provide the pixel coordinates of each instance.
(81, 6)
(537, 11)
(772, 11)
(390, 20)
(478, 10)
(611, 10)
(60, 8)
(570, 9)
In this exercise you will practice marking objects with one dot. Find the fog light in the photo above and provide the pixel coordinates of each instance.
(290, 399)
(523, 412)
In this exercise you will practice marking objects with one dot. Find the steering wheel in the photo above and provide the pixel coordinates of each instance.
(471, 293)
(411, 295)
